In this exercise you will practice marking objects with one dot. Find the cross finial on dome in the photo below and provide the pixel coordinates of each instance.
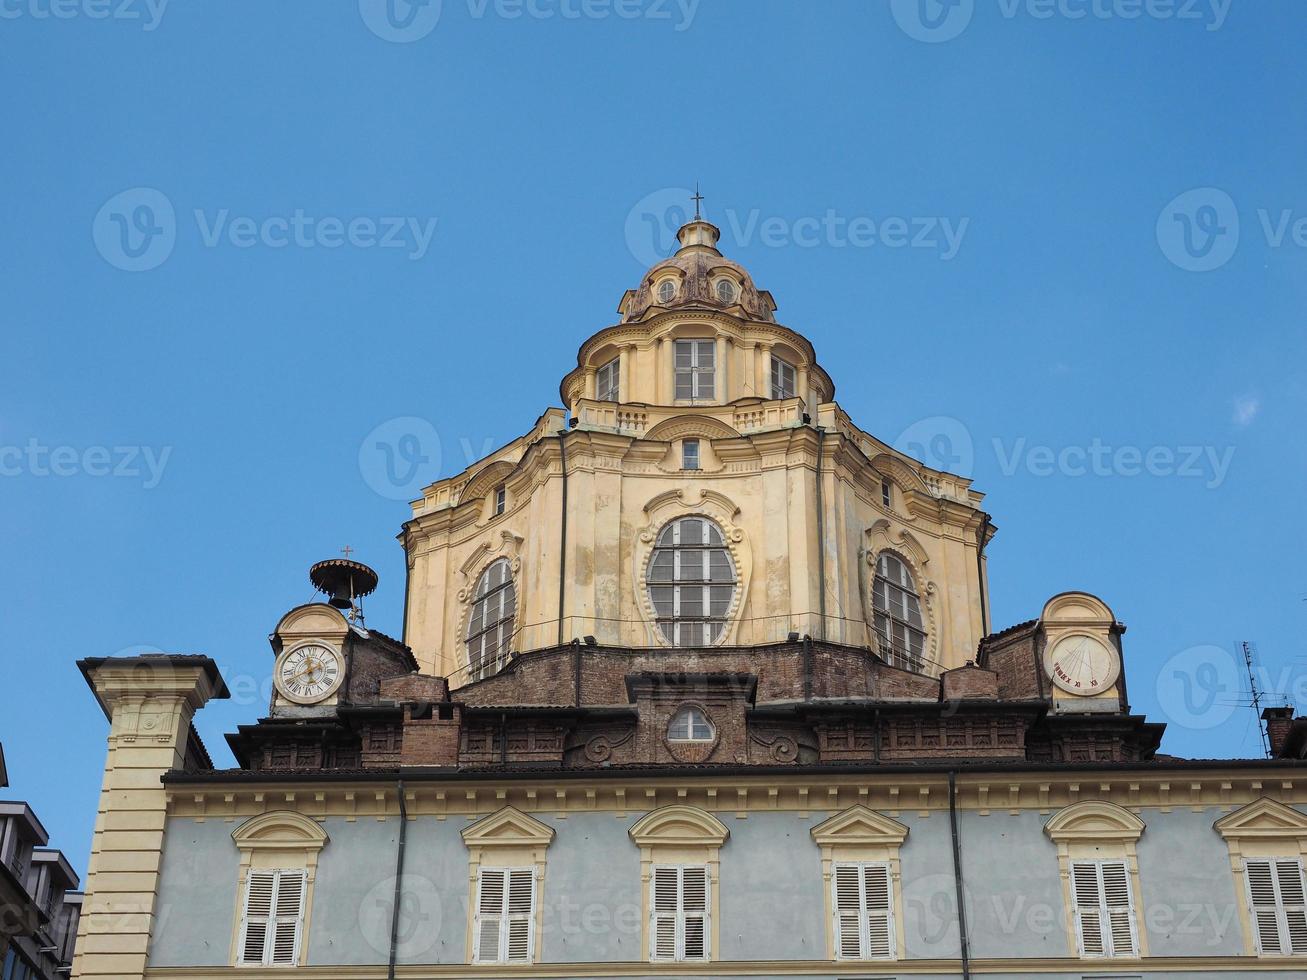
(697, 199)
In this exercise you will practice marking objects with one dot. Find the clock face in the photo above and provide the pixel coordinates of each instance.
(308, 673)
(1080, 664)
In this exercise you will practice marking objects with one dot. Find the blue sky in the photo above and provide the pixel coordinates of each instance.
(981, 217)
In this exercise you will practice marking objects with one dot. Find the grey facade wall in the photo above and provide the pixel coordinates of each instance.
(771, 901)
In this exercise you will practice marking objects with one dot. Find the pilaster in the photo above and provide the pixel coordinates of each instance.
(149, 701)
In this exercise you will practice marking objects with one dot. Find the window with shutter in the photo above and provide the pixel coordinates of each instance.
(1278, 906)
(505, 918)
(273, 922)
(864, 919)
(679, 913)
(1105, 914)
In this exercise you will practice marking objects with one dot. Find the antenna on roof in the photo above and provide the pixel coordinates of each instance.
(345, 583)
(1248, 654)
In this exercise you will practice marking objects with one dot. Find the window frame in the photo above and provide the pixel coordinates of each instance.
(1284, 931)
(681, 915)
(480, 628)
(691, 460)
(501, 500)
(661, 288)
(272, 919)
(1103, 909)
(609, 388)
(507, 840)
(506, 915)
(778, 384)
(899, 652)
(695, 370)
(278, 842)
(864, 912)
(713, 628)
(689, 711)
(729, 285)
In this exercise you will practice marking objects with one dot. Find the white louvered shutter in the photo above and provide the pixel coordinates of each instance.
(848, 911)
(665, 904)
(679, 917)
(259, 889)
(864, 914)
(879, 912)
(1105, 914)
(273, 924)
(694, 909)
(1278, 906)
(289, 920)
(505, 915)
(490, 913)
(518, 939)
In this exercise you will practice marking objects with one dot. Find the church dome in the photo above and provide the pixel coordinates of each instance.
(698, 276)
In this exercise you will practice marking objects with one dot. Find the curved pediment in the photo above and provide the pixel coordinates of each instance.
(485, 480)
(1076, 607)
(1263, 818)
(902, 473)
(1094, 820)
(314, 618)
(859, 825)
(280, 829)
(680, 426)
(679, 825)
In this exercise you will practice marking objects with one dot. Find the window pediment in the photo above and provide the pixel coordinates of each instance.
(1263, 818)
(679, 825)
(508, 827)
(859, 825)
(280, 830)
(1093, 821)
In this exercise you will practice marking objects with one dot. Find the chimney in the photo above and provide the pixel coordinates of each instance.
(1279, 722)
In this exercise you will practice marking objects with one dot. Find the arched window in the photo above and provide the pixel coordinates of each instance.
(490, 628)
(898, 614)
(666, 291)
(725, 291)
(690, 724)
(691, 582)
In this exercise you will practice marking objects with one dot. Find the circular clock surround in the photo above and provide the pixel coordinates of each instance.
(309, 672)
(1080, 663)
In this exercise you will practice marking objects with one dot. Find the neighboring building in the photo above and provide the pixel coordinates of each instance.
(697, 678)
(39, 904)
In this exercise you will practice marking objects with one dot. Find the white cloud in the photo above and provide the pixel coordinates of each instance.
(1246, 408)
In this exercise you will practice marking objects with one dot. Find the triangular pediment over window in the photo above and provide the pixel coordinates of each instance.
(1263, 818)
(859, 825)
(508, 826)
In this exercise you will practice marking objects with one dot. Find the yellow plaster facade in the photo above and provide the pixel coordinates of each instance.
(588, 489)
